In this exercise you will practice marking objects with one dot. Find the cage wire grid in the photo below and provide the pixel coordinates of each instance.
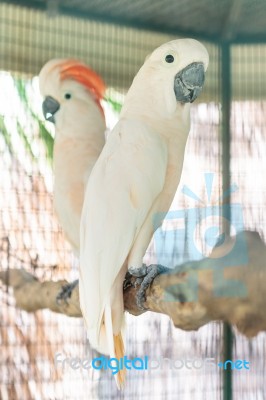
(31, 237)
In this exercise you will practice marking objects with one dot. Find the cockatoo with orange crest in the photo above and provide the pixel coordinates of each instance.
(72, 101)
(134, 180)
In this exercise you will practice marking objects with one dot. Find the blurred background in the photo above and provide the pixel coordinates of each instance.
(226, 146)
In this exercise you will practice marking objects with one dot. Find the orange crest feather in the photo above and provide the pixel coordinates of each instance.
(73, 69)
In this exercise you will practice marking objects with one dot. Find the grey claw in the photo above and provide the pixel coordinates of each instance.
(66, 292)
(138, 281)
(127, 281)
(138, 272)
(151, 272)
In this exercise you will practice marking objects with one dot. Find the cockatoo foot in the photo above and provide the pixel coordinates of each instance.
(145, 274)
(66, 292)
(127, 281)
(138, 273)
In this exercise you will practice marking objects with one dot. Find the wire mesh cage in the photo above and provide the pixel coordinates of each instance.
(34, 345)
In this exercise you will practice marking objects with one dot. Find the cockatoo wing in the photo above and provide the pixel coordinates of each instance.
(126, 180)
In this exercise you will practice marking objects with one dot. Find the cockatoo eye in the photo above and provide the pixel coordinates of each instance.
(169, 58)
(68, 96)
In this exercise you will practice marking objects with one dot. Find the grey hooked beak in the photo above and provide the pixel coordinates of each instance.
(49, 107)
(189, 82)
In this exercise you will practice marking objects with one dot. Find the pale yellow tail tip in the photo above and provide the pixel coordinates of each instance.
(120, 377)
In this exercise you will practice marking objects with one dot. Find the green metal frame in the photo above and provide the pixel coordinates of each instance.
(226, 157)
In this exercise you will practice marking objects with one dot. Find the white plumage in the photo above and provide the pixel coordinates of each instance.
(135, 177)
(79, 135)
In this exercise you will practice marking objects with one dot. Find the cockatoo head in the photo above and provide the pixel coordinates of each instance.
(64, 80)
(173, 73)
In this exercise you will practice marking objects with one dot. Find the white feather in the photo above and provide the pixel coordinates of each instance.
(135, 177)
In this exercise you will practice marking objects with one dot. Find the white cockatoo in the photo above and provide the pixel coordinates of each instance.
(72, 101)
(133, 181)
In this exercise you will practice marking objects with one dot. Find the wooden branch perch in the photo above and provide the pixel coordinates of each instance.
(228, 288)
